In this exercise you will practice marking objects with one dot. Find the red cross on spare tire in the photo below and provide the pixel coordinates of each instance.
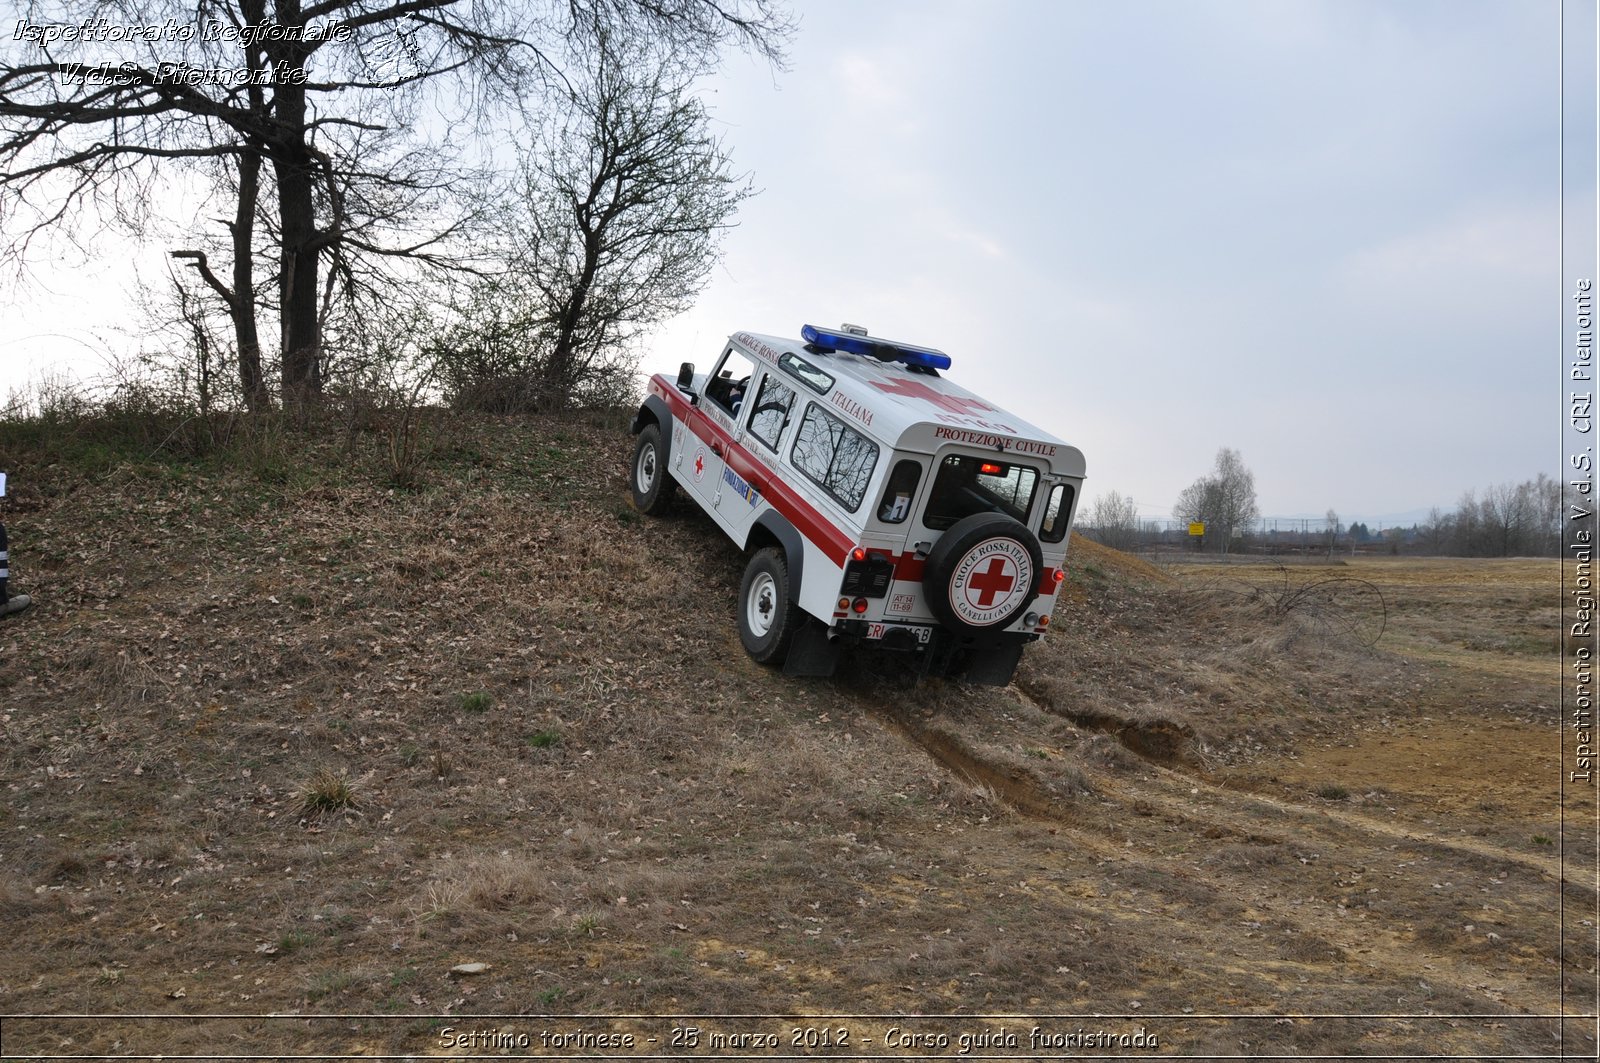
(983, 573)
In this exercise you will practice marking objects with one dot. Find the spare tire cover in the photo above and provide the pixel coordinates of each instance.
(982, 573)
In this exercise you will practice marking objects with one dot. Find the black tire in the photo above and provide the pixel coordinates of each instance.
(952, 581)
(768, 617)
(653, 486)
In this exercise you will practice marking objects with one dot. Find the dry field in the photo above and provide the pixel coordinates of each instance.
(284, 748)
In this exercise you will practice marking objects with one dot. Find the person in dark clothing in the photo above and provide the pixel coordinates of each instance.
(9, 603)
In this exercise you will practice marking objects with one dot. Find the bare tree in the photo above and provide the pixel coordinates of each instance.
(625, 203)
(1546, 502)
(1507, 515)
(1469, 537)
(1330, 533)
(1116, 521)
(1225, 501)
(614, 226)
(323, 96)
(239, 298)
(1437, 531)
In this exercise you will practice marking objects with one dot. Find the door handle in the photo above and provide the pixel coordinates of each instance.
(716, 448)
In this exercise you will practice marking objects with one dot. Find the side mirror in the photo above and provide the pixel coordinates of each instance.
(686, 376)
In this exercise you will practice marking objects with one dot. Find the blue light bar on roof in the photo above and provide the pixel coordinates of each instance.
(882, 350)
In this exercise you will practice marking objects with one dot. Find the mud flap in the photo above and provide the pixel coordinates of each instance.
(993, 665)
(811, 652)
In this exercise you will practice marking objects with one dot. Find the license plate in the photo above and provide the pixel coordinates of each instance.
(877, 631)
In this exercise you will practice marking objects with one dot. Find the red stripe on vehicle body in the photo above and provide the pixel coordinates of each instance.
(832, 540)
(909, 567)
(912, 569)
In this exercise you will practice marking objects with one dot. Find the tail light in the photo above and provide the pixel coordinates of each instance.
(866, 574)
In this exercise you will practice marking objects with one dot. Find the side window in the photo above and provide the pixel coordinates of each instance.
(1057, 514)
(896, 504)
(836, 456)
(771, 413)
(730, 380)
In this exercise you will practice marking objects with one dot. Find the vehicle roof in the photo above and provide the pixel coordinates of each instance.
(911, 409)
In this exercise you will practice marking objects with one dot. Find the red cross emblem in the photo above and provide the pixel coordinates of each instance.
(991, 581)
(916, 389)
(699, 464)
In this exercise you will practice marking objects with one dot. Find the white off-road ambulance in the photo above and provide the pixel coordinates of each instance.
(879, 503)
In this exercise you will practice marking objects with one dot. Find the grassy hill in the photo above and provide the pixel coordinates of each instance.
(283, 737)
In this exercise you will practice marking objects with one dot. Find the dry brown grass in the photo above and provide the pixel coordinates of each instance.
(705, 835)
(1492, 615)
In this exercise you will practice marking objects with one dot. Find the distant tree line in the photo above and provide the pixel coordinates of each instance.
(1502, 520)
(1505, 520)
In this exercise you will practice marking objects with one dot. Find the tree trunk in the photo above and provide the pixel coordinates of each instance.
(247, 340)
(243, 307)
(563, 370)
(297, 217)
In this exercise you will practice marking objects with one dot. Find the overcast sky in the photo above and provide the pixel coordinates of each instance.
(1321, 233)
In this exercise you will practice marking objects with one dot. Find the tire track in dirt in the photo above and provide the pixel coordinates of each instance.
(1161, 741)
(1226, 811)
(1015, 787)
(1170, 742)
(1202, 808)
(1226, 806)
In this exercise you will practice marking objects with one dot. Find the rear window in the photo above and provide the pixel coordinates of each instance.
(837, 457)
(967, 485)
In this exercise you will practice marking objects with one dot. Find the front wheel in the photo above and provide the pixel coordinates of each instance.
(768, 617)
(652, 484)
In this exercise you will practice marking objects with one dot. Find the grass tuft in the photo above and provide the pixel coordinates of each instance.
(477, 701)
(326, 793)
(544, 739)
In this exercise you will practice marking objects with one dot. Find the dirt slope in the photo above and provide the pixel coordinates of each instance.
(1196, 817)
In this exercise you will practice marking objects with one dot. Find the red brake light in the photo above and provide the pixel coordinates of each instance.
(859, 605)
(1059, 576)
(858, 554)
(989, 468)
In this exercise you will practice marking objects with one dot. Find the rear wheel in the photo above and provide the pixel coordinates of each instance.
(652, 484)
(768, 617)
